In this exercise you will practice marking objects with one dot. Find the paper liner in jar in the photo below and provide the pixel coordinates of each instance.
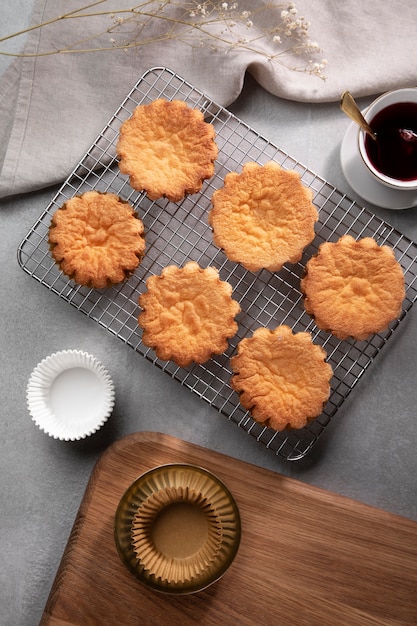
(176, 564)
(179, 477)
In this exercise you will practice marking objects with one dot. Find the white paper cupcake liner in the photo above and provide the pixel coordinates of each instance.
(70, 395)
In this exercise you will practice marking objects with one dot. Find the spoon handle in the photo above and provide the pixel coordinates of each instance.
(349, 106)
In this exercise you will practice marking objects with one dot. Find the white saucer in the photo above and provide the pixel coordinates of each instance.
(362, 181)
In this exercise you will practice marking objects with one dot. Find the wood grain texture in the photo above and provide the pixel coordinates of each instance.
(307, 556)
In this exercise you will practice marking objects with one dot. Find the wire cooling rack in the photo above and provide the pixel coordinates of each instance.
(176, 233)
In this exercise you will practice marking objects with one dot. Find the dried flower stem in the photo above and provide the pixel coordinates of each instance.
(71, 14)
(197, 24)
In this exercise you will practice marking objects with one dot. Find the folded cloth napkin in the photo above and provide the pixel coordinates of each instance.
(53, 106)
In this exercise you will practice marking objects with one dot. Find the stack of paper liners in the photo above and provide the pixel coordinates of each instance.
(176, 534)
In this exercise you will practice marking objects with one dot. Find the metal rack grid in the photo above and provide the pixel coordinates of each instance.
(176, 233)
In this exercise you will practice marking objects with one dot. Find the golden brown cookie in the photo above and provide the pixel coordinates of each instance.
(282, 377)
(263, 217)
(96, 239)
(188, 314)
(353, 288)
(167, 149)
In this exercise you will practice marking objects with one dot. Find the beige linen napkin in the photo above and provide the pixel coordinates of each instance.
(53, 107)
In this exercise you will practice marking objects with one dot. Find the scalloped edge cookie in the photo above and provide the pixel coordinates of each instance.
(282, 377)
(188, 314)
(167, 149)
(263, 217)
(96, 239)
(353, 288)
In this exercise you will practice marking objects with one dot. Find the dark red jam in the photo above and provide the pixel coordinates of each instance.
(392, 154)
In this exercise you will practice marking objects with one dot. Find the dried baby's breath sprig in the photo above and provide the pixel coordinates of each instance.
(274, 30)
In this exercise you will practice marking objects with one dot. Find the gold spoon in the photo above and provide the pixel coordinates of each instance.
(349, 106)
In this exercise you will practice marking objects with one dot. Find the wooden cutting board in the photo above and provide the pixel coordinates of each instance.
(307, 556)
